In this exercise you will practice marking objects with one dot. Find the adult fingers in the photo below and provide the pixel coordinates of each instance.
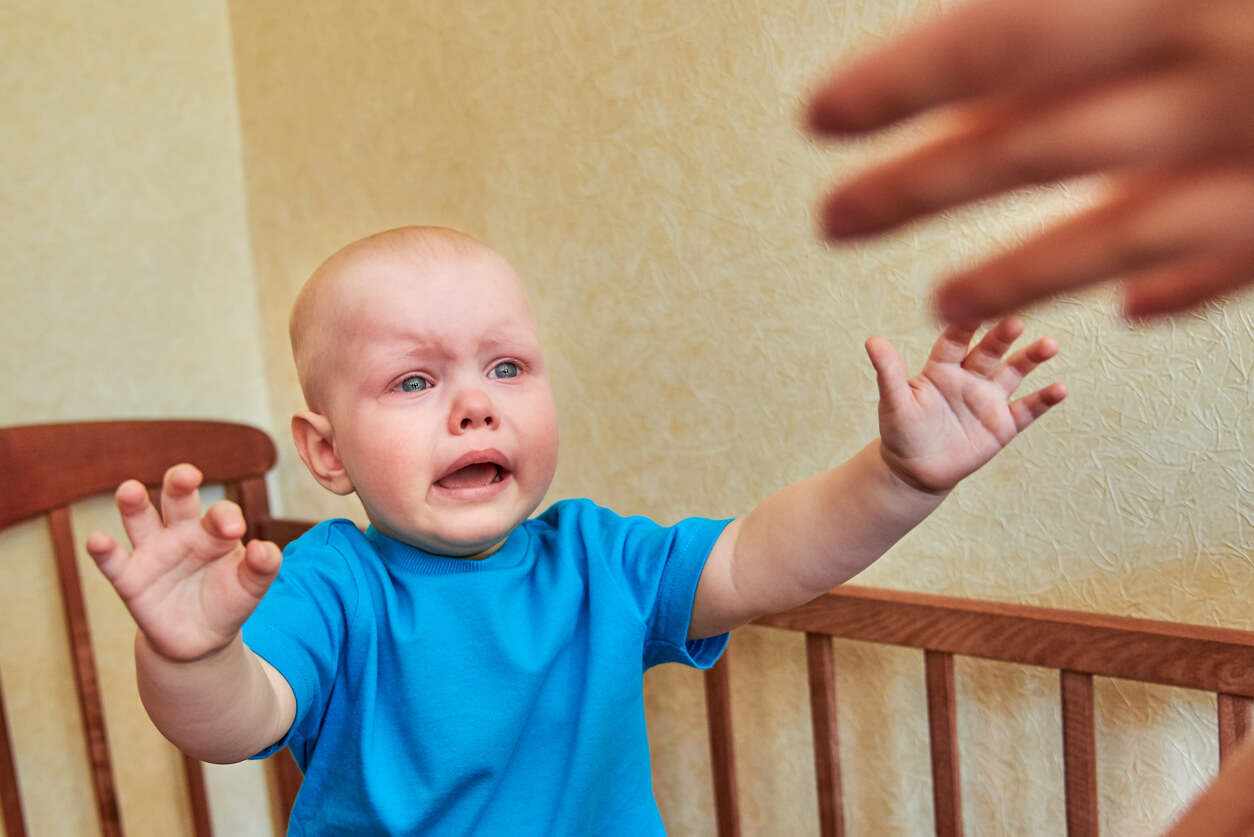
(987, 149)
(986, 46)
(1186, 284)
(1151, 221)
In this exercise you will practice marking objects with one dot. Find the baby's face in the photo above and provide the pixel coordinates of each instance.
(442, 411)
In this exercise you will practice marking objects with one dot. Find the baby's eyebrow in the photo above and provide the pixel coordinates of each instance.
(506, 338)
(516, 338)
(425, 346)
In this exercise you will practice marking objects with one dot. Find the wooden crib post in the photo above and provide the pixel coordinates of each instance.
(1079, 754)
(942, 719)
(821, 666)
(1234, 722)
(722, 753)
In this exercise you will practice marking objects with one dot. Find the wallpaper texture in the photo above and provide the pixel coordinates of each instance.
(641, 165)
(128, 291)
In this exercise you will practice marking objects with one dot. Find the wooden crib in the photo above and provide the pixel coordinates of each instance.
(1079, 646)
(49, 467)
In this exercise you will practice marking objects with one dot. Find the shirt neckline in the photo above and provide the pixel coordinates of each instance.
(411, 558)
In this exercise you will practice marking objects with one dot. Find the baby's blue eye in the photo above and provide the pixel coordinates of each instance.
(505, 369)
(414, 383)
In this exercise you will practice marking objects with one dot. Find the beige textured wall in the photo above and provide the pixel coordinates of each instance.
(128, 290)
(640, 165)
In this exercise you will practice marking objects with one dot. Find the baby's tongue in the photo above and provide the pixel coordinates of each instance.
(471, 476)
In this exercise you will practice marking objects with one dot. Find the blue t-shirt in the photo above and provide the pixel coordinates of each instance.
(501, 696)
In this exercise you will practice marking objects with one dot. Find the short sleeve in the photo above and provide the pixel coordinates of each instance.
(689, 546)
(657, 569)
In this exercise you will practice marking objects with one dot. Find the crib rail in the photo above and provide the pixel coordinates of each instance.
(1080, 646)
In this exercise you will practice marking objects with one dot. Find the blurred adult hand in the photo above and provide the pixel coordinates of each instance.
(1155, 95)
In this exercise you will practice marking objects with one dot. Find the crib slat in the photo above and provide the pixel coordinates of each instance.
(88, 682)
(283, 777)
(822, 675)
(1079, 744)
(251, 494)
(942, 720)
(722, 754)
(198, 797)
(1234, 723)
(10, 793)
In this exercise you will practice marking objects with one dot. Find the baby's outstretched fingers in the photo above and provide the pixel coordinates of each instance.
(109, 555)
(1031, 407)
(986, 358)
(890, 373)
(180, 495)
(259, 567)
(224, 521)
(952, 344)
(1023, 362)
(139, 518)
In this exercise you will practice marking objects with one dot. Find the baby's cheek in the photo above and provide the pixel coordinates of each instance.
(546, 446)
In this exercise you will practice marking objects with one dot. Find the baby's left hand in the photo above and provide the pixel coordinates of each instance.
(954, 416)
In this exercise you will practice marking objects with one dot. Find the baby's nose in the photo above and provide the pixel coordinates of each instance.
(472, 409)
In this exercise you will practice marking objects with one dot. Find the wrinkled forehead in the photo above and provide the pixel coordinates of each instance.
(372, 285)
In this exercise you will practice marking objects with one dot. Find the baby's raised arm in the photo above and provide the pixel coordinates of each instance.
(190, 584)
(935, 429)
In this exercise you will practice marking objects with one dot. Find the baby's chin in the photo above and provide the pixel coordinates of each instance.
(477, 555)
(470, 548)
(470, 531)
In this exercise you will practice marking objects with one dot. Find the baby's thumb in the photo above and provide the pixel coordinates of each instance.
(259, 567)
(890, 370)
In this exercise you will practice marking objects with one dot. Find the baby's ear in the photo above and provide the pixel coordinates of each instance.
(315, 442)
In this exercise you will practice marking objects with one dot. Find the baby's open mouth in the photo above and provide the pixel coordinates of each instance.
(472, 476)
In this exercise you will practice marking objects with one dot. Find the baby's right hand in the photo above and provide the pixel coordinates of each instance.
(190, 583)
